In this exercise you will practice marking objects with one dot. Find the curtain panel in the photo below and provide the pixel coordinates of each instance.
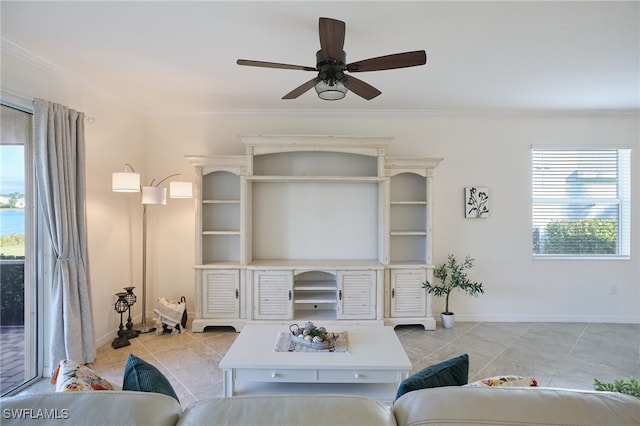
(60, 182)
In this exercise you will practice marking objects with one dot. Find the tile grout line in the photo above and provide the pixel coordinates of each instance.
(566, 357)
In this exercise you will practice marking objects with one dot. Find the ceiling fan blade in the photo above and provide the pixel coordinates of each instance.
(389, 62)
(331, 38)
(301, 89)
(360, 88)
(273, 65)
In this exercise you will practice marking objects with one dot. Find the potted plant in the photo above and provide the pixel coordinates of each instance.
(452, 276)
(629, 385)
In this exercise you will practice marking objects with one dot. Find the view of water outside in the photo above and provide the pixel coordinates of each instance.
(12, 200)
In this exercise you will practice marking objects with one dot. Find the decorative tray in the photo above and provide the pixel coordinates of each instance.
(312, 336)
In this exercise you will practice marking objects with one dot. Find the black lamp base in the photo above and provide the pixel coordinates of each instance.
(120, 342)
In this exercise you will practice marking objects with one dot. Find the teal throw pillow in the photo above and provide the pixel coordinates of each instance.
(141, 376)
(453, 372)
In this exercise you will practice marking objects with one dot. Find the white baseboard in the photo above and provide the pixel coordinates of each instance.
(548, 318)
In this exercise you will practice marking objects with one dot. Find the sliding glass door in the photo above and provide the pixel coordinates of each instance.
(20, 351)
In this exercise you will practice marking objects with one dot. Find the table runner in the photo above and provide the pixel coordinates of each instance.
(284, 343)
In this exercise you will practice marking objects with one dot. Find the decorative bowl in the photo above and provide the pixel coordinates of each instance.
(312, 336)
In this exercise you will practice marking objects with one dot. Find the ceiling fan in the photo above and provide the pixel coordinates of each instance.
(332, 82)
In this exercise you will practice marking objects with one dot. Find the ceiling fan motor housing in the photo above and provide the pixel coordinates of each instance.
(331, 70)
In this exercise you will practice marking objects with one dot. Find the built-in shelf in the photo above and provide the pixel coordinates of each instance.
(221, 232)
(408, 203)
(346, 179)
(315, 264)
(315, 285)
(218, 265)
(317, 297)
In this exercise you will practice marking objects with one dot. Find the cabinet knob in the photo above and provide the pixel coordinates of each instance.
(274, 375)
(356, 376)
(393, 293)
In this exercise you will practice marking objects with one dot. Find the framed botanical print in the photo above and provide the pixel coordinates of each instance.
(476, 202)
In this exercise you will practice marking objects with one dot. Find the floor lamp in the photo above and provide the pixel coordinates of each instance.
(129, 181)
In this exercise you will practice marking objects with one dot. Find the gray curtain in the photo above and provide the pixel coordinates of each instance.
(60, 182)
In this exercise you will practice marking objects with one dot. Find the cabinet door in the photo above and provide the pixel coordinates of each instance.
(273, 294)
(221, 293)
(356, 295)
(408, 298)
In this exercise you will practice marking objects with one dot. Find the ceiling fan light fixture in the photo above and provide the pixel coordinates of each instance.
(330, 90)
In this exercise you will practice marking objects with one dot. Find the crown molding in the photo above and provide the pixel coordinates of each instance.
(31, 58)
(13, 49)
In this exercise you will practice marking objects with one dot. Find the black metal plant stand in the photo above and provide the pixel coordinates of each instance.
(131, 300)
(121, 307)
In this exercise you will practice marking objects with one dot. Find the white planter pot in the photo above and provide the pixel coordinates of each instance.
(447, 320)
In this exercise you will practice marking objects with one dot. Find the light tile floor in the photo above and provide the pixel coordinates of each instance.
(566, 355)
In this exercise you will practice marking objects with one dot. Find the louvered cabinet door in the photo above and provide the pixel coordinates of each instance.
(408, 297)
(221, 294)
(273, 295)
(356, 295)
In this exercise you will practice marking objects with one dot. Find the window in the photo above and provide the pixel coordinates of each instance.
(20, 348)
(581, 203)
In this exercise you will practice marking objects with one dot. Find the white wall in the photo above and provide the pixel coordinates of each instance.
(487, 150)
(483, 150)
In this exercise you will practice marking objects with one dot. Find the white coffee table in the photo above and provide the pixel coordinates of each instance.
(374, 365)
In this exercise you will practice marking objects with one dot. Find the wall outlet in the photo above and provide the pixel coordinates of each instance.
(613, 289)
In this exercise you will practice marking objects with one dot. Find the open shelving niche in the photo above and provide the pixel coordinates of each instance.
(320, 228)
(315, 295)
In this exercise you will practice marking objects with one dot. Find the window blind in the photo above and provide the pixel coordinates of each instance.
(580, 202)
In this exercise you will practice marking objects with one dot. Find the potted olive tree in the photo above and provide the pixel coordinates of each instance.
(452, 276)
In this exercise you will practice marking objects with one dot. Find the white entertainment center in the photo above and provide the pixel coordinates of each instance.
(313, 228)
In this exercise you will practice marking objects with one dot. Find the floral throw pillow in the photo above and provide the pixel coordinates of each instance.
(70, 376)
(506, 381)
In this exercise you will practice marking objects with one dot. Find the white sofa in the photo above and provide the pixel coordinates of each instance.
(436, 406)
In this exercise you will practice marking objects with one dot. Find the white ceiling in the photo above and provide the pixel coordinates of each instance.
(498, 56)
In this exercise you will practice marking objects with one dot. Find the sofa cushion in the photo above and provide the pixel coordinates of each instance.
(71, 376)
(90, 409)
(292, 409)
(452, 372)
(141, 376)
(511, 406)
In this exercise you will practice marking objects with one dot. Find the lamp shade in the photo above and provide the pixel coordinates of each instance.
(179, 189)
(331, 91)
(125, 182)
(154, 195)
